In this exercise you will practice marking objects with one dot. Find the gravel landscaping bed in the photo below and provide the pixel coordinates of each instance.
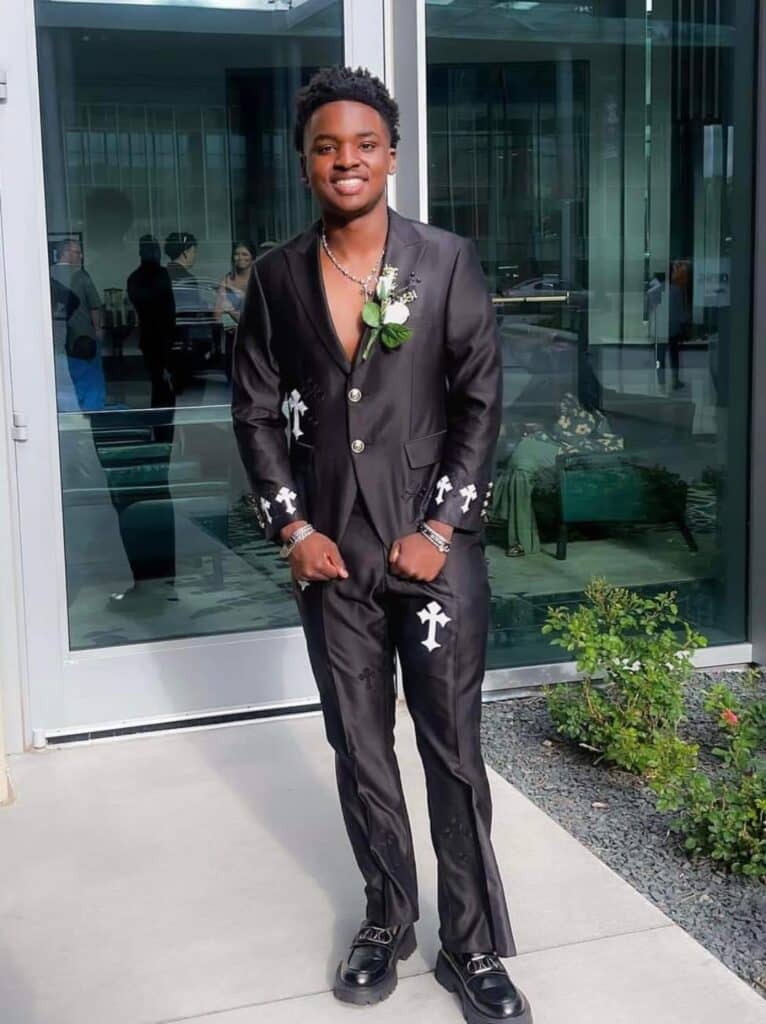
(726, 913)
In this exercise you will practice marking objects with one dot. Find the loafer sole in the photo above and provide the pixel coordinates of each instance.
(447, 978)
(367, 995)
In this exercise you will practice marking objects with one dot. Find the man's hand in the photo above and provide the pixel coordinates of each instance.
(315, 558)
(415, 558)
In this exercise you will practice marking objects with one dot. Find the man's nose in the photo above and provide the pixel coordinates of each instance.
(346, 156)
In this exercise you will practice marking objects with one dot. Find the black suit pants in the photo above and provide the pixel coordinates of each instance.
(439, 629)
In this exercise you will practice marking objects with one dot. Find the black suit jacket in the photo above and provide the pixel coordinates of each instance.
(427, 414)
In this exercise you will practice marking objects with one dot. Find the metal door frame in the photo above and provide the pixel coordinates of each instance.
(59, 691)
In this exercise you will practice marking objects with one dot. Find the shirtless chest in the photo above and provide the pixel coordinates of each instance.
(344, 302)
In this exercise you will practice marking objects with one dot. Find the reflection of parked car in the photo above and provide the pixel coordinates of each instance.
(549, 288)
(198, 344)
(522, 340)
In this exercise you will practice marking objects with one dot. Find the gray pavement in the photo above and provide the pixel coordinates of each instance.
(206, 876)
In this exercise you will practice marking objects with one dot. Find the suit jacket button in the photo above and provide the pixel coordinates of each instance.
(354, 395)
(357, 446)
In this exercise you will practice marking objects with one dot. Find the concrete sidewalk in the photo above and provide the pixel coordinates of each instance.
(206, 876)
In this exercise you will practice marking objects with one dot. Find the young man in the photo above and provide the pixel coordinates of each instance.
(378, 503)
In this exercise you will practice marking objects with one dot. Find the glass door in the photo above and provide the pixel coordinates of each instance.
(166, 163)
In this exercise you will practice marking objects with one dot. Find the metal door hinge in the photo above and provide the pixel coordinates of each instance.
(19, 428)
(3, 86)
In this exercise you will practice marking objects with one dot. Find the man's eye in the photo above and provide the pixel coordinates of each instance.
(368, 146)
(324, 149)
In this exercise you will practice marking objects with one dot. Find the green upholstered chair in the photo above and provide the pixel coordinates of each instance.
(617, 487)
(129, 454)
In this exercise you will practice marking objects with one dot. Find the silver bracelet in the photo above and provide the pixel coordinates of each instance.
(435, 537)
(295, 538)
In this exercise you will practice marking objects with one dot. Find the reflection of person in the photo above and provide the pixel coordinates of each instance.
(63, 304)
(150, 290)
(149, 541)
(390, 463)
(231, 288)
(676, 298)
(231, 292)
(83, 327)
(181, 250)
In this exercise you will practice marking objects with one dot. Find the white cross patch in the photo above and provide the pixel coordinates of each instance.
(266, 505)
(285, 497)
(434, 616)
(442, 486)
(297, 407)
(469, 493)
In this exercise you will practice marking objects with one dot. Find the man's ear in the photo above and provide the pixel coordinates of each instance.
(392, 161)
(304, 170)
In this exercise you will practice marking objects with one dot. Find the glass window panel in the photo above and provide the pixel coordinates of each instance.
(600, 155)
(157, 126)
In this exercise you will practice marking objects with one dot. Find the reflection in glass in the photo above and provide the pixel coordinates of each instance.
(168, 168)
(600, 157)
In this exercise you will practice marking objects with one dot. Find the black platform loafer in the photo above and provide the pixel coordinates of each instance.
(483, 987)
(368, 973)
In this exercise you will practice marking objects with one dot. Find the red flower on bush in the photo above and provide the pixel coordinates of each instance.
(729, 717)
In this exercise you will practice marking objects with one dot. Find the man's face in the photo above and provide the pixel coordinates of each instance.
(347, 157)
(71, 254)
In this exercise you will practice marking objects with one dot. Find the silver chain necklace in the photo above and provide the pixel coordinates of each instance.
(361, 281)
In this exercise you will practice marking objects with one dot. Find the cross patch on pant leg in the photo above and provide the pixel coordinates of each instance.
(434, 616)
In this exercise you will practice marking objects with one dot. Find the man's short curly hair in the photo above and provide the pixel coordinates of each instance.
(340, 83)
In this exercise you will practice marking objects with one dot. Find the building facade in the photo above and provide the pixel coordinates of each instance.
(603, 155)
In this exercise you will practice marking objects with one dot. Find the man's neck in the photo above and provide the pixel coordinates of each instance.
(359, 235)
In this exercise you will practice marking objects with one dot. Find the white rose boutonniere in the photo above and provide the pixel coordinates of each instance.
(387, 313)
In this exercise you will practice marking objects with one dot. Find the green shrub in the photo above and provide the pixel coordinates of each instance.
(634, 665)
(723, 814)
(635, 656)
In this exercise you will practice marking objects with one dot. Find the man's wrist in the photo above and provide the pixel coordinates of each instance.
(288, 530)
(296, 537)
(434, 537)
(445, 529)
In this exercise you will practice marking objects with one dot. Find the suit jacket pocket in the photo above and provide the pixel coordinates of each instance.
(424, 451)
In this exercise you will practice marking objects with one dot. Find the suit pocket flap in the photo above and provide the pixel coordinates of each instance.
(423, 451)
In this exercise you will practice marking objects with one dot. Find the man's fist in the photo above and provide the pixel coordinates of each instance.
(317, 558)
(415, 558)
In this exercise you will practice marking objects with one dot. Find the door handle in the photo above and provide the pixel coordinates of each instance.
(19, 428)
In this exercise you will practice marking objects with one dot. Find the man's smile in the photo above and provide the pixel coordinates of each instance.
(350, 185)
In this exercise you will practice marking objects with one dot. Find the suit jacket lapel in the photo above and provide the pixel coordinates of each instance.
(404, 249)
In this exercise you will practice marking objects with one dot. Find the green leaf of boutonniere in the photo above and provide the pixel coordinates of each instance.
(394, 335)
(371, 314)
